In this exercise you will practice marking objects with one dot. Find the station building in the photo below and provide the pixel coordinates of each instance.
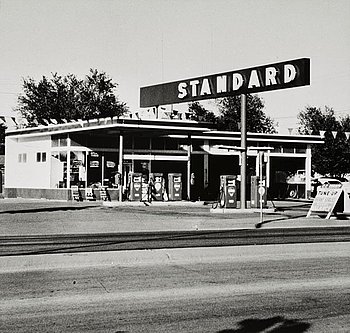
(47, 161)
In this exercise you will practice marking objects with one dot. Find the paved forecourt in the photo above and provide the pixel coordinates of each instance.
(40, 217)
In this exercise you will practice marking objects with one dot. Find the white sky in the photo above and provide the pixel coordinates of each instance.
(139, 43)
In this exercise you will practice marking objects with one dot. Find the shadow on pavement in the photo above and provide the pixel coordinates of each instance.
(282, 206)
(281, 211)
(276, 324)
(283, 218)
(45, 209)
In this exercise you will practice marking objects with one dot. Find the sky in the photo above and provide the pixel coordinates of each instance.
(140, 43)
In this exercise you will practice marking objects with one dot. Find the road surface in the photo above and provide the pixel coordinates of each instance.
(270, 288)
(45, 244)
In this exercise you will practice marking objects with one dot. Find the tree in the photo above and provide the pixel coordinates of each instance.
(230, 114)
(257, 120)
(313, 120)
(97, 98)
(199, 113)
(68, 98)
(333, 157)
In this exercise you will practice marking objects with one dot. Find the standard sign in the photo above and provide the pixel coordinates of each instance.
(289, 74)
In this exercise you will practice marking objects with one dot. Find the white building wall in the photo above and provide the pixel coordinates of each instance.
(21, 165)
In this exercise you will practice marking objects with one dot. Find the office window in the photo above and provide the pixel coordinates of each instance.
(22, 158)
(41, 157)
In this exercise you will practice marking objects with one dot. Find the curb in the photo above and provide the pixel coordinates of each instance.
(241, 211)
(168, 256)
(153, 203)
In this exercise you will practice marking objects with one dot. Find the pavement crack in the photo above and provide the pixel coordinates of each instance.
(105, 289)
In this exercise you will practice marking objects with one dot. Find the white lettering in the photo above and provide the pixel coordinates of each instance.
(182, 90)
(270, 76)
(290, 73)
(194, 85)
(205, 89)
(237, 81)
(221, 84)
(254, 79)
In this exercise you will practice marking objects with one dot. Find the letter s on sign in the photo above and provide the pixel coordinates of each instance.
(182, 90)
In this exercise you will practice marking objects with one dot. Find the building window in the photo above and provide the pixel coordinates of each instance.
(41, 157)
(59, 141)
(300, 150)
(22, 158)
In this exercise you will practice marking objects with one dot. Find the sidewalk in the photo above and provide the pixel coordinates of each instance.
(37, 217)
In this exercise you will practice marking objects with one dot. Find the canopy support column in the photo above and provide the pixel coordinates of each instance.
(120, 166)
(308, 172)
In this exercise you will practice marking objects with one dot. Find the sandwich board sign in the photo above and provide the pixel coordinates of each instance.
(325, 200)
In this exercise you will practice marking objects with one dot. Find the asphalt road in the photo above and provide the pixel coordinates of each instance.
(193, 283)
(45, 244)
(271, 288)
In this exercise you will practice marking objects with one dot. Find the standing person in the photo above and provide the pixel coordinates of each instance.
(145, 172)
(194, 195)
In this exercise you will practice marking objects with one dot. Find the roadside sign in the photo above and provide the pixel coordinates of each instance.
(261, 190)
(325, 200)
(287, 74)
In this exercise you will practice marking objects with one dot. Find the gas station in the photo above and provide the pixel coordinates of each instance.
(134, 159)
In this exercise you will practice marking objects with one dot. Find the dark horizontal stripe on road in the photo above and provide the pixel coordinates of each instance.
(47, 244)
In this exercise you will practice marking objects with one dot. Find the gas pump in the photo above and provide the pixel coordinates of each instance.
(228, 191)
(157, 186)
(175, 186)
(135, 186)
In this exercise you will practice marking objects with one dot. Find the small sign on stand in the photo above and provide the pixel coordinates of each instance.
(325, 200)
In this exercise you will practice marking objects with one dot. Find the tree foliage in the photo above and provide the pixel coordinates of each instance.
(68, 98)
(313, 120)
(199, 113)
(257, 120)
(229, 117)
(333, 157)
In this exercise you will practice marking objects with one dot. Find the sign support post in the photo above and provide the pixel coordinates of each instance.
(244, 149)
(189, 149)
(261, 188)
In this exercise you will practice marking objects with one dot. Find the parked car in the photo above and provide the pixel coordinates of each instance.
(315, 183)
(296, 184)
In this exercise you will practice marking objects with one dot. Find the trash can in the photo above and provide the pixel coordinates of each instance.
(175, 186)
(228, 191)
